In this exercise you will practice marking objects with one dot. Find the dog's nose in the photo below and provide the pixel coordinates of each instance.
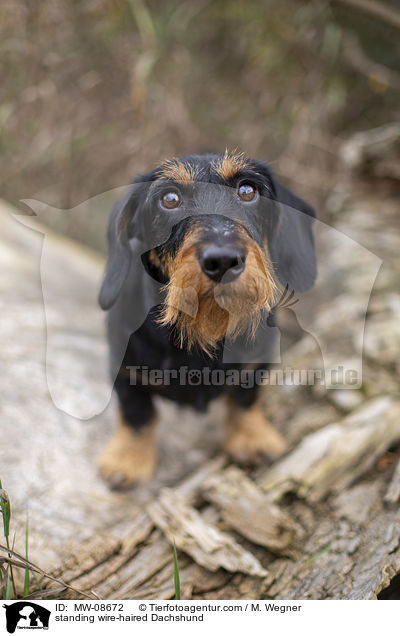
(222, 264)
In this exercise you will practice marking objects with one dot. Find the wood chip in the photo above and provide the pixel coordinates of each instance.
(247, 509)
(393, 492)
(207, 545)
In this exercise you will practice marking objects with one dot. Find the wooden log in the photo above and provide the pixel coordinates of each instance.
(353, 551)
(332, 458)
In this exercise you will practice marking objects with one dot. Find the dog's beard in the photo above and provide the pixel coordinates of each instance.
(203, 312)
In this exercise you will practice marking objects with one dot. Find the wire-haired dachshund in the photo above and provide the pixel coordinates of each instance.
(198, 248)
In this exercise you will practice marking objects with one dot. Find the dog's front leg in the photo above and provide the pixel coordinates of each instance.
(130, 455)
(248, 435)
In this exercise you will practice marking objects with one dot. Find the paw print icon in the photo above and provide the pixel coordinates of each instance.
(194, 377)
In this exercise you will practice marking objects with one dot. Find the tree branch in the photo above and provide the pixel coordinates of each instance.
(376, 10)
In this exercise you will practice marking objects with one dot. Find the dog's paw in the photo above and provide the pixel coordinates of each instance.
(129, 457)
(249, 438)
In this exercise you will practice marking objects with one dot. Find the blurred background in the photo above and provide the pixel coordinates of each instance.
(94, 92)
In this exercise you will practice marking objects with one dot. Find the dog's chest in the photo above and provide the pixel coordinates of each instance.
(186, 377)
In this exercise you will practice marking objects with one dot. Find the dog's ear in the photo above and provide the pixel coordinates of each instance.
(291, 240)
(119, 252)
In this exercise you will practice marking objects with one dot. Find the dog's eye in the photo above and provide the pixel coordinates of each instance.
(171, 200)
(247, 192)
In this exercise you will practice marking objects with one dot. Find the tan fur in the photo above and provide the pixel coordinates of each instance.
(204, 311)
(177, 171)
(161, 261)
(249, 437)
(130, 456)
(155, 259)
(230, 164)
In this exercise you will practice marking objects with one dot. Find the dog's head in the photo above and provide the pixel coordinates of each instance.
(220, 233)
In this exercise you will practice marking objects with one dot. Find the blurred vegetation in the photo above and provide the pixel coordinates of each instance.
(95, 91)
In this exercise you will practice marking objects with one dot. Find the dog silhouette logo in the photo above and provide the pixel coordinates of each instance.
(26, 615)
(284, 309)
